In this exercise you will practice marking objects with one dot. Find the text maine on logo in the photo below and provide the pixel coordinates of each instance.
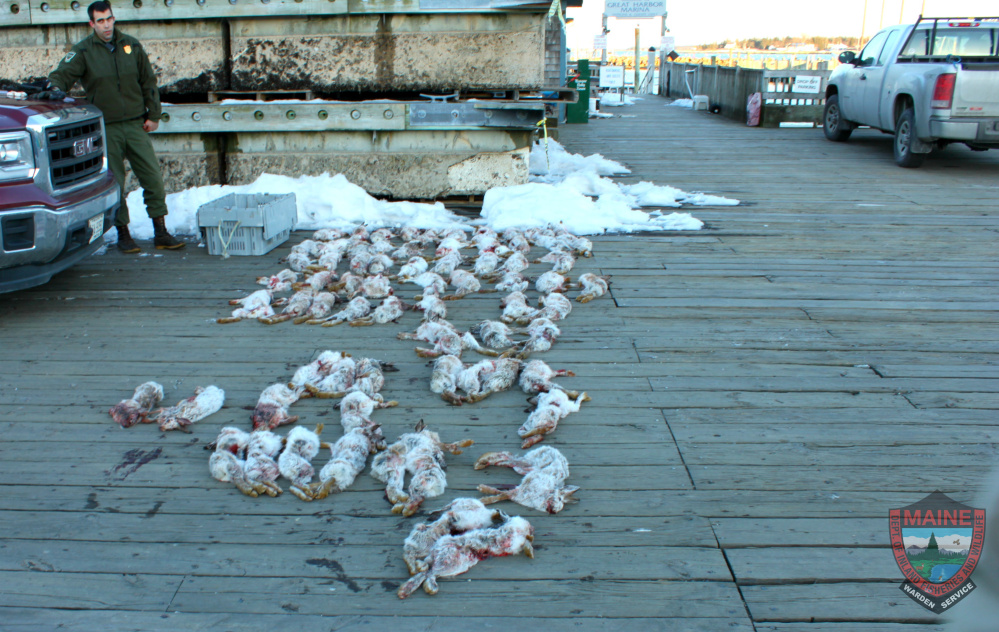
(937, 543)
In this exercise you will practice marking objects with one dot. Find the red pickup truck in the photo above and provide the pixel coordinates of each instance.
(57, 196)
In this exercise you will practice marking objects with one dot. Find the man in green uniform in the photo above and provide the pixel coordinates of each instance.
(118, 79)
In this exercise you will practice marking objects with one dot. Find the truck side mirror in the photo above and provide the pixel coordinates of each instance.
(847, 57)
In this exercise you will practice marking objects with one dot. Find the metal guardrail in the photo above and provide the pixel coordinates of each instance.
(645, 87)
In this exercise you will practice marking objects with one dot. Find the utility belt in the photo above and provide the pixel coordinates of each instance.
(141, 117)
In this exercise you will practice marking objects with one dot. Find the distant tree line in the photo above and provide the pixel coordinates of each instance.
(764, 43)
(933, 551)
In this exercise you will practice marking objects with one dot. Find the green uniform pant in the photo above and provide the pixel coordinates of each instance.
(128, 140)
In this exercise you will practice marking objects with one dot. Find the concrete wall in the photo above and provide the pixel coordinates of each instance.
(413, 165)
(398, 52)
(30, 52)
(555, 56)
(187, 56)
(402, 165)
(379, 53)
(370, 53)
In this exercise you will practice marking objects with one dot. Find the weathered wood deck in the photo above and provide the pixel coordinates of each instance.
(764, 391)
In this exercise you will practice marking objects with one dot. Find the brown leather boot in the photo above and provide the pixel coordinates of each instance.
(126, 244)
(161, 238)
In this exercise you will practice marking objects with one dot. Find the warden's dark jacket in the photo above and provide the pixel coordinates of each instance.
(121, 83)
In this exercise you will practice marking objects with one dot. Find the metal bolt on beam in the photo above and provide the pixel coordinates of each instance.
(196, 116)
(323, 115)
(258, 115)
(227, 115)
(290, 114)
(355, 114)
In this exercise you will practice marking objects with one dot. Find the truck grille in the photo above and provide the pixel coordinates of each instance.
(76, 153)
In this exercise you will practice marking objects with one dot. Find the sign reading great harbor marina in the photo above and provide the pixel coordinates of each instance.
(937, 542)
(635, 8)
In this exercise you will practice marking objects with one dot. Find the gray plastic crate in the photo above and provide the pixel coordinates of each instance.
(247, 224)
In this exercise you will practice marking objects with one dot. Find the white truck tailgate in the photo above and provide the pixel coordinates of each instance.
(977, 92)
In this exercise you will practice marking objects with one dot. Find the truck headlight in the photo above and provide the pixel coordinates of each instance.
(17, 160)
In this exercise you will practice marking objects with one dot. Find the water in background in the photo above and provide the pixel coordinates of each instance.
(757, 56)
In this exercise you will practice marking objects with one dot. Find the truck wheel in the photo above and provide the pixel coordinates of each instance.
(905, 131)
(834, 126)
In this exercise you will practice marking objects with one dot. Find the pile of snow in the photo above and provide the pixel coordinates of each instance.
(612, 100)
(540, 204)
(648, 194)
(681, 103)
(551, 162)
(565, 188)
(584, 175)
(324, 201)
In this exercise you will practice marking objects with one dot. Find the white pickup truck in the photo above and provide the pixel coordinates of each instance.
(930, 84)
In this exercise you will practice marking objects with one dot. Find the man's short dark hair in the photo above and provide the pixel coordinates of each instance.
(99, 6)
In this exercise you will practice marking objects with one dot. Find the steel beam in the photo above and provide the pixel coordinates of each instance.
(471, 115)
(311, 116)
(15, 13)
(241, 116)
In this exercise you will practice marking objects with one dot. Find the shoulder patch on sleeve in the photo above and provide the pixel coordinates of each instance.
(69, 56)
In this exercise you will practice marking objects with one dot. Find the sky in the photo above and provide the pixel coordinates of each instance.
(704, 21)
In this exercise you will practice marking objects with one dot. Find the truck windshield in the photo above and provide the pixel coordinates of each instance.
(963, 42)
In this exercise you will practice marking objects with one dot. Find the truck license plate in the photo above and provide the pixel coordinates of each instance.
(96, 227)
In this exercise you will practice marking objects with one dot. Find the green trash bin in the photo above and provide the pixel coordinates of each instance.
(579, 112)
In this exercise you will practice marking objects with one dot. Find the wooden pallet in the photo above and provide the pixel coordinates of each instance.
(266, 95)
(546, 95)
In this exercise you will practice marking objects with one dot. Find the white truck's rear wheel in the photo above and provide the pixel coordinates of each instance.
(905, 132)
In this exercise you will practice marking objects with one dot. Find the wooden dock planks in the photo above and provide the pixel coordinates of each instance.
(764, 391)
